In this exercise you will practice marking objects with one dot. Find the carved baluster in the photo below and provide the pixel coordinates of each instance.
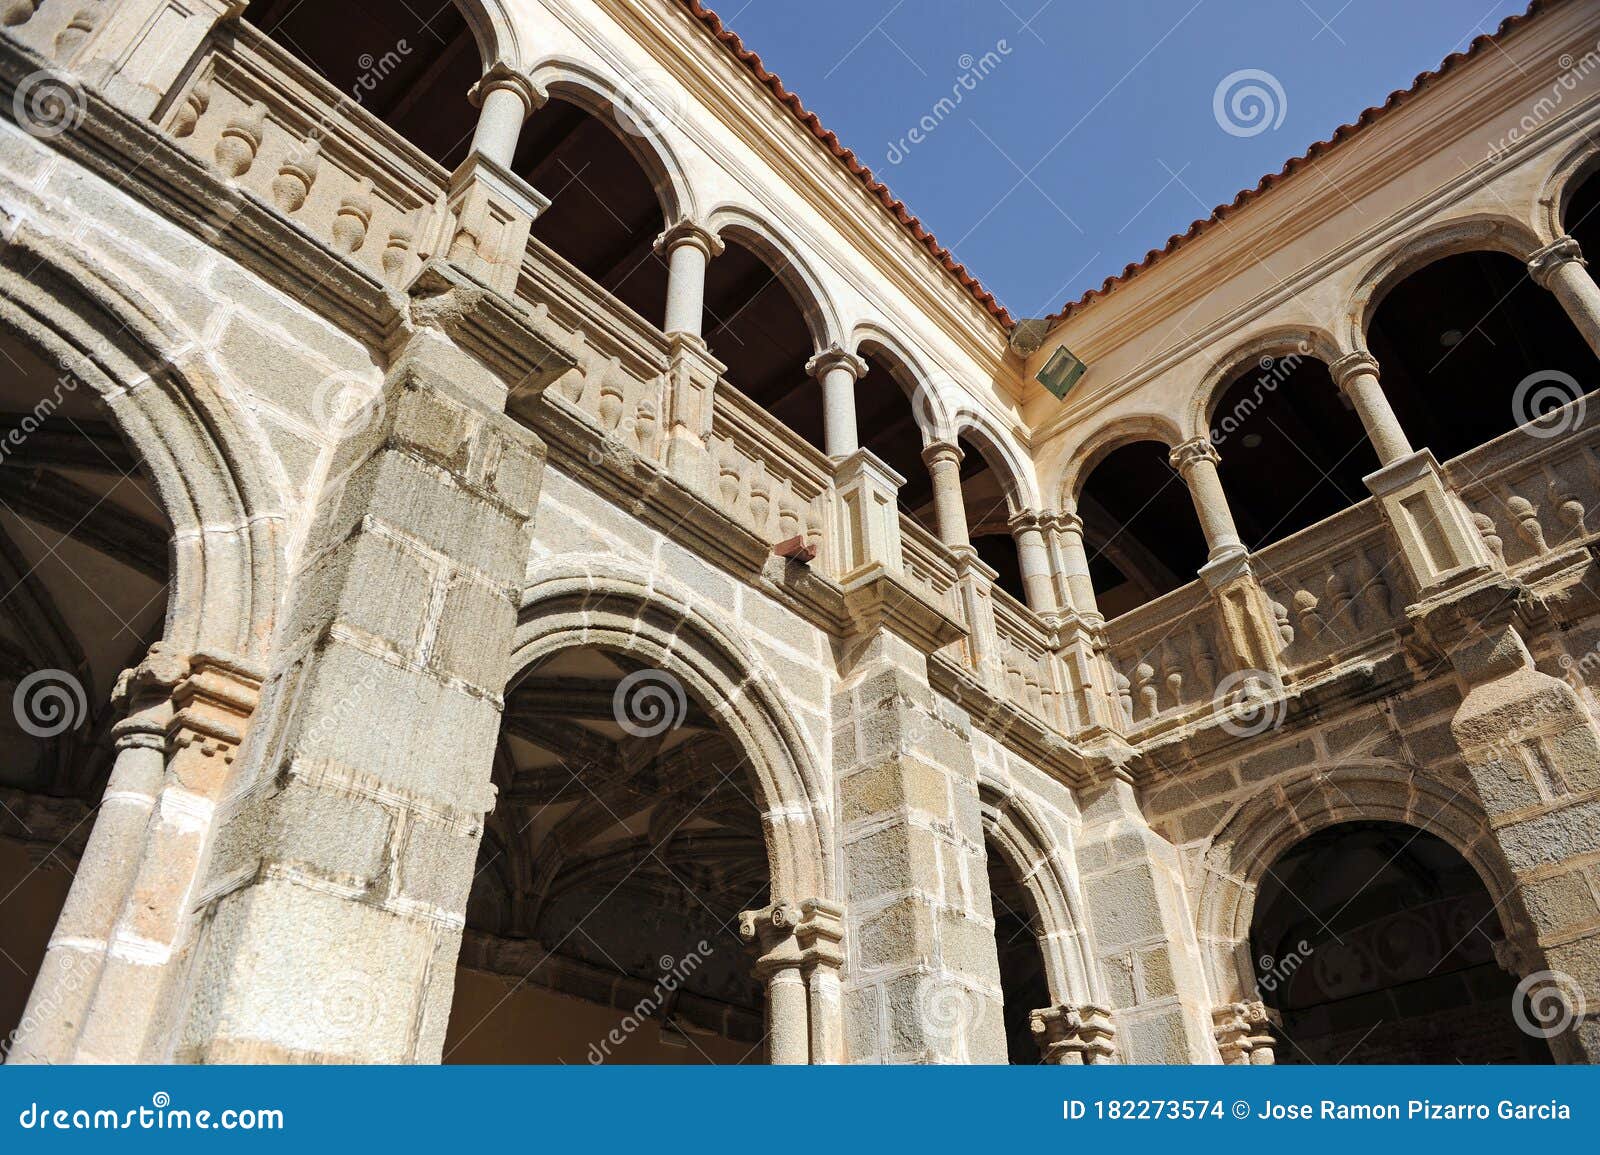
(1338, 592)
(1205, 663)
(1570, 512)
(296, 175)
(760, 495)
(1486, 530)
(397, 264)
(1280, 619)
(77, 30)
(241, 140)
(610, 403)
(350, 223)
(194, 106)
(788, 513)
(17, 12)
(644, 428)
(728, 479)
(1374, 593)
(1306, 609)
(1144, 677)
(1528, 526)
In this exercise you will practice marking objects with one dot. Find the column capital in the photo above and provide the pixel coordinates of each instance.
(1027, 520)
(836, 356)
(1063, 521)
(687, 232)
(1244, 1032)
(1543, 263)
(502, 75)
(942, 452)
(1351, 365)
(1187, 454)
(786, 934)
(1074, 1035)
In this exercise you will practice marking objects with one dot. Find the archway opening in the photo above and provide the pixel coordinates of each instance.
(1139, 526)
(1293, 450)
(990, 498)
(83, 594)
(605, 210)
(755, 325)
(410, 66)
(1024, 986)
(1581, 217)
(1375, 943)
(888, 425)
(1457, 338)
(603, 922)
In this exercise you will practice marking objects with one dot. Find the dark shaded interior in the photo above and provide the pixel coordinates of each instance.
(1375, 942)
(605, 213)
(1293, 450)
(1139, 526)
(755, 327)
(625, 834)
(1581, 218)
(410, 66)
(1455, 339)
(1023, 984)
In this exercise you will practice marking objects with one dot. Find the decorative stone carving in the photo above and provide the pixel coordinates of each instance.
(1244, 1033)
(1074, 1036)
(241, 140)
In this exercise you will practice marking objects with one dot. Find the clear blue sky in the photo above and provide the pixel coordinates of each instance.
(1093, 135)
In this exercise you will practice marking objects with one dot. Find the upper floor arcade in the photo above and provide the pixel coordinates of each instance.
(752, 316)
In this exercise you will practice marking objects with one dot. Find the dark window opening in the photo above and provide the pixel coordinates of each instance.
(1139, 526)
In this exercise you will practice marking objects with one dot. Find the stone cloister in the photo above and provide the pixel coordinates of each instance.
(519, 548)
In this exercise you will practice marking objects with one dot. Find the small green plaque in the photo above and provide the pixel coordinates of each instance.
(1061, 372)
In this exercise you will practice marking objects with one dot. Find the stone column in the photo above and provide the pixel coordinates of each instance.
(1144, 938)
(126, 1021)
(1244, 1034)
(505, 99)
(1357, 375)
(1196, 462)
(838, 371)
(1560, 267)
(332, 912)
(1066, 534)
(687, 249)
(770, 931)
(924, 979)
(1070, 1036)
(943, 459)
(1038, 582)
(799, 956)
(75, 957)
(1532, 751)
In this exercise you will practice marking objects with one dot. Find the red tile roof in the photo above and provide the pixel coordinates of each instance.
(881, 191)
(1341, 134)
(875, 186)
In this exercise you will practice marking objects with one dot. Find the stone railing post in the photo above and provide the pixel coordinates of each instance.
(1438, 542)
(1356, 374)
(75, 957)
(838, 370)
(1074, 1036)
(1561, 268)
(869, 531)
(1244, 1033)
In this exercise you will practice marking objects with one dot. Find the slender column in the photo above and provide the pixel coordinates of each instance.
(688, 248)
(943, 459)
(771, 932)
(1196, 462)
(1066, 528)
(838, 371)
(1027, 527)
(1560, 267)
(820, 936)
(505, 98)
(75, 957)
(1357, 375)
